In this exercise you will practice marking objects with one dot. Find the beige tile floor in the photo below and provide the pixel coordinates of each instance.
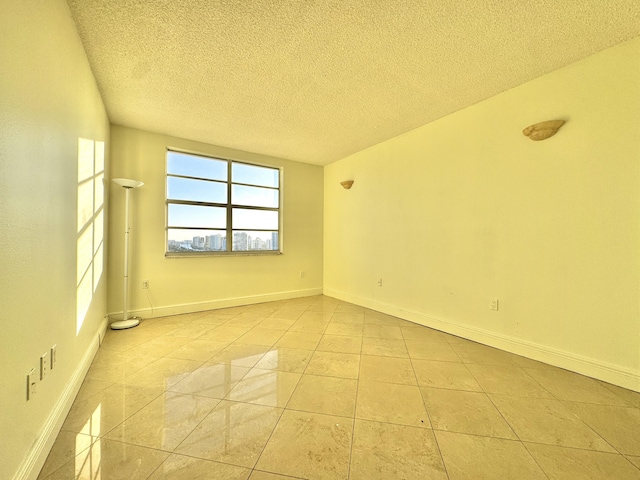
(315, 388)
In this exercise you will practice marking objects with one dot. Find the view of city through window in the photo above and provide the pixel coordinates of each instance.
(211, 200)
(242, 242)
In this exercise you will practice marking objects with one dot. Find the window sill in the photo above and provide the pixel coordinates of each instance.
(254, 253)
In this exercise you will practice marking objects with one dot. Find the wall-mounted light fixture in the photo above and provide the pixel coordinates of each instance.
(347, 184)
(543, 130)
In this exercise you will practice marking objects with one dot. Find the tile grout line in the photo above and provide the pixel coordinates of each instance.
(277, 423)
(355, 410)
(424, 404)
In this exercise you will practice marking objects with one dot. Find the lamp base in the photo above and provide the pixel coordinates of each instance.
(123, 324)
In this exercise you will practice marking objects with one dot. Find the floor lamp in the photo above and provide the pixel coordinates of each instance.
(126, 322)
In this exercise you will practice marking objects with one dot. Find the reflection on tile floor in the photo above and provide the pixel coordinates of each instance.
(315, 388)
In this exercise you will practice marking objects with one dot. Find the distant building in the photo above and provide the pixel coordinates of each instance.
(214, 242)
(240, 241)
(197, 243)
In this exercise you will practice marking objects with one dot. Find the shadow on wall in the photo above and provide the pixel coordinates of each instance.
(90, 224)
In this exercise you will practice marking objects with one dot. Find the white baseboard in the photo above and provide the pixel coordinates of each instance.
(32, 464)
(590, 367)
(166, 310)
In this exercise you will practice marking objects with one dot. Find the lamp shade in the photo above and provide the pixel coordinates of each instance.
(128, 183)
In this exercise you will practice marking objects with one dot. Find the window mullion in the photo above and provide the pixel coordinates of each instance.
(229, 208)
(256, 186)
(199, 204)
(190, 177)
(251, 207)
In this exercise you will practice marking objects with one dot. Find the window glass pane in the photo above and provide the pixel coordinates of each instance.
(244, 219)
(195, 166)
(249, 241)
(196, 190)
(266, 177)
(195, 216)
(254, 196)
(197, 240)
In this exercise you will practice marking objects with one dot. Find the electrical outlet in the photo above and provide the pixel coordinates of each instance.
(145, 284)
(301, 273)
(493, 304)
(44, 365)
(52, 361)
(31, 384)
(379, 282)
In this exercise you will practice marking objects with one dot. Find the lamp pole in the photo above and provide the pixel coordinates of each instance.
(126, 322)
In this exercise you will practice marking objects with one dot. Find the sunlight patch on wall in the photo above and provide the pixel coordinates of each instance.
(90, 225)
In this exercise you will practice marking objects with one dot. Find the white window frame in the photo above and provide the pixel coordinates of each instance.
(229, 231)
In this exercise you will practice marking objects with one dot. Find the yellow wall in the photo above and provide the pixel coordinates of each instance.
(190, 284)
(48, 100)
(467, 208)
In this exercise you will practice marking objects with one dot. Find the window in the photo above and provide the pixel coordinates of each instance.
(217, 206)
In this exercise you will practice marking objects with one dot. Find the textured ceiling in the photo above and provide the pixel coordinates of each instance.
(315, 81)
